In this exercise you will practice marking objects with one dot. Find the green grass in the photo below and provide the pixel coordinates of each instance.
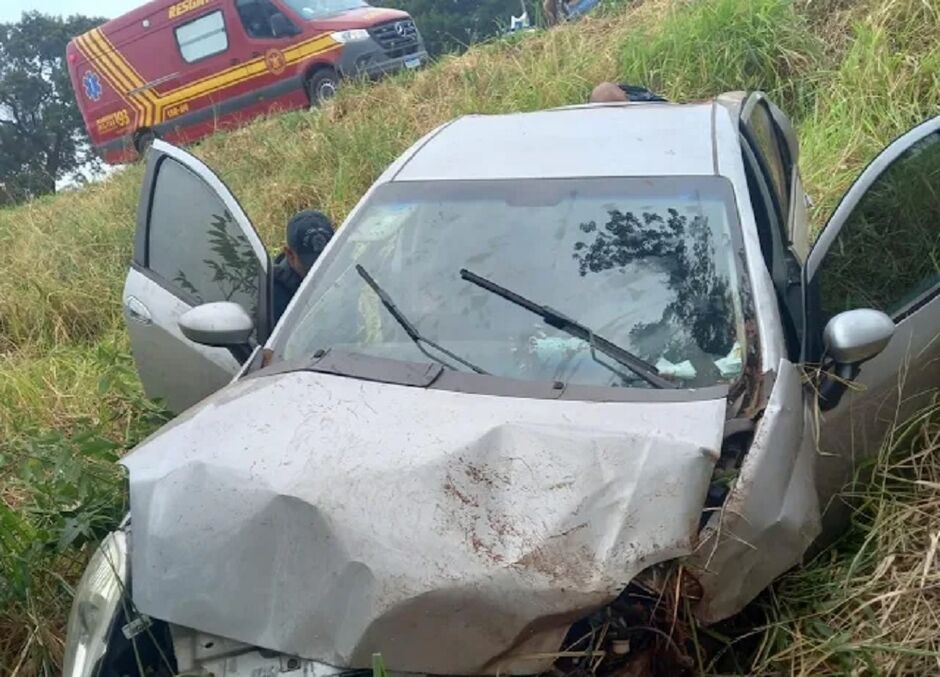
(853, 75)
(868, 605)
(700, 49)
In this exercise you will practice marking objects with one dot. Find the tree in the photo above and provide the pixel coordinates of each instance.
(42, 136)
(452, 25)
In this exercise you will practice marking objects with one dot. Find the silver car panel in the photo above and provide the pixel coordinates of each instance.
(888, 390)
(170, 366)
(771, 514)
(330, 518)
(594, 141)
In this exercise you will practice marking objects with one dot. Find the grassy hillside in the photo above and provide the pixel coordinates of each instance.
(853, 75)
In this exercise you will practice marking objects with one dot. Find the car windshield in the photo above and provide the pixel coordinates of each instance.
(648, 264)
(315, 9)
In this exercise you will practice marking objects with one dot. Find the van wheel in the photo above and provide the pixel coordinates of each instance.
(143, 139)
(322, 86)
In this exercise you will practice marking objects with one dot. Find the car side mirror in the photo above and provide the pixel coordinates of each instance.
(220, 325)
(852, 338)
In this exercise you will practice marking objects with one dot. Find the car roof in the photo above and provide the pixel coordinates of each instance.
(649, 139)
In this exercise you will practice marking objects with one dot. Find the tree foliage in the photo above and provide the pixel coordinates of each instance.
(453, 25)
(42, 136)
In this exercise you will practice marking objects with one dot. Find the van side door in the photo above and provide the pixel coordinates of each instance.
(193, 245)
(208, 60)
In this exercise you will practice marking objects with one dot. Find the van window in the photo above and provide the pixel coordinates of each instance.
(203, 37)
(262, 19)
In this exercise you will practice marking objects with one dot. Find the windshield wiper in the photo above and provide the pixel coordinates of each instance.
(409, 328)
(558, 320)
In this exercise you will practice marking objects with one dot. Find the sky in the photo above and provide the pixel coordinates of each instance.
(10, 10)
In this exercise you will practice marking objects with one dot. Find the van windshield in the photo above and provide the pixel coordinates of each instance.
(648, 264)
(316, 9)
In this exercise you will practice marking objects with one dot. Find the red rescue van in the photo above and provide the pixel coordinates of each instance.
(180, 69)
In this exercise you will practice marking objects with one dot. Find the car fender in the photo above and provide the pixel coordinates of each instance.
(771, 515)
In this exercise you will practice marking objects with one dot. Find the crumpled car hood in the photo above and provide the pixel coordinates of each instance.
(455, 533)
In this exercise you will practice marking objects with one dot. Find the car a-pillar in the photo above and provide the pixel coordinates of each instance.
(321, 83)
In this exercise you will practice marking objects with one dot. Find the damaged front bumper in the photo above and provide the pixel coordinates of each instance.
(456, 533)
(453, 533)
(620, 639)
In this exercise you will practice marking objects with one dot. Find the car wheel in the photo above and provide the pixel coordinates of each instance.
(143, 139)
(322, 86)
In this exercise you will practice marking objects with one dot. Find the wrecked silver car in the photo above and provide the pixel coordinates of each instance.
(559, 375)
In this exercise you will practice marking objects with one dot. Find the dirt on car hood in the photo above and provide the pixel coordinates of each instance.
(332, 518)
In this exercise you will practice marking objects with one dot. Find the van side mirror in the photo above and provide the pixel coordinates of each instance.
(220, 325)
(852, 338)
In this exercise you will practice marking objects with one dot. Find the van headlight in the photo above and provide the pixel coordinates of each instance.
(353, 35)
(96, 603)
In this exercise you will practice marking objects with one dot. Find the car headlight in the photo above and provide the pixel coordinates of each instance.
(353, 35)
(96, 602)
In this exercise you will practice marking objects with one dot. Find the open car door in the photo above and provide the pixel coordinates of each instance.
(193, 245)
(880, 250)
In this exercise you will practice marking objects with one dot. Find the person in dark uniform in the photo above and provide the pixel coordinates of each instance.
(308, 233)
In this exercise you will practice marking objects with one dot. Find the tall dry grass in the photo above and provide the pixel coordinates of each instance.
(871, 603)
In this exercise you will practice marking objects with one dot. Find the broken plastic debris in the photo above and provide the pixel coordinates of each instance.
(518, 23)
(732, 364)
(682, 370)
(551, 347)
(620, 647)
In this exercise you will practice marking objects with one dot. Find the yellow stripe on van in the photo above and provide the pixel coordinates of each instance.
(106, 49)
(126, 67)
(131, 78)
(104, 61)
(245, 72)
(210, 80)
(94, 57)
(150, 104)
(117, 83)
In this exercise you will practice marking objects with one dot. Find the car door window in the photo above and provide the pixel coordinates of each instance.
(773, 155)
(262, 20)
(195, 246)
(887, 254)
(781, 264)
(202, 37)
